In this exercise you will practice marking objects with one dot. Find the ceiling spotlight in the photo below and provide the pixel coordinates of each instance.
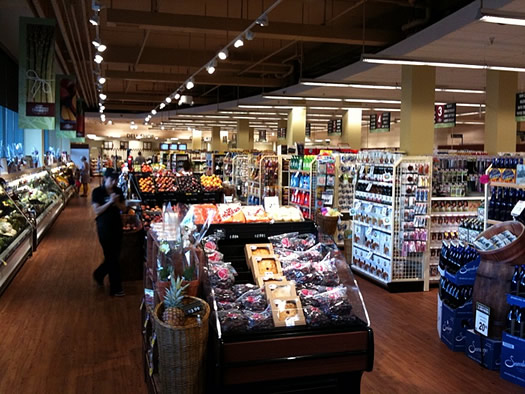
(95, 6)
(96, 42)
(223, 55)
(162, 127)
(262, 20)
(210, 68)
(100, 104)
(101, 48)
(103, 117)
(101, 80)
(162, 105)
(98, 59)
(94, 20)
(102, 96)
(102, 108)
(238, 43)
(153, 112)
(190, 84)
(177, 96)
(249, 35)
(168, 99)
(110, 122)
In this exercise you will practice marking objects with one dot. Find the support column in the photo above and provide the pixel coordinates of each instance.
(296, 126)
(34, 141)
(216, 139)
(500, 121)
(417, 110)
(244, 135)
(352, 127)
(196, 142)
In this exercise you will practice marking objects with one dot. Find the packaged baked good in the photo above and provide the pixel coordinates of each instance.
(277, 289)
(287, 312)
(266, 267)
(231, 213)
(253, 300)
(255, 214)
(221, 275)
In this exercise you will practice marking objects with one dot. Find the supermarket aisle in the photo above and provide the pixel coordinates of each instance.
(58, 332)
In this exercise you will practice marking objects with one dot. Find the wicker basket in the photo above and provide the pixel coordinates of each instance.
(182, 353)
(328, 224)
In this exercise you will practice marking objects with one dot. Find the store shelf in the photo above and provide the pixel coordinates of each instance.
(377, 183)
(301, 171)
(374, 203)
(507, 185)
(368, 274)
(374, 227)
(464, 198)
(372, 251)
(299, 188)
(467, 213)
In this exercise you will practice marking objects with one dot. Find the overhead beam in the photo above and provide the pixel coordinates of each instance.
(187, 58)
(276, 30)
(215, 79)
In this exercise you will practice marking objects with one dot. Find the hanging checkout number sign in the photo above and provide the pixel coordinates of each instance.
(520, 107)
(481, 324)
(445, 115)
(380, 123)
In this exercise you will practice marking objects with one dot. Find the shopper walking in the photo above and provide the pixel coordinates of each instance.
(108, 201)
(84, 176)
(140, 159)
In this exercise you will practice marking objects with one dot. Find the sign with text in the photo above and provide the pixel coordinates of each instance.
(520, 107)
(36, 74)
(262, 135)
(481, 324)
(445, 115)
(308, 130)
(335, 127)
(380, 123)
(281, 132)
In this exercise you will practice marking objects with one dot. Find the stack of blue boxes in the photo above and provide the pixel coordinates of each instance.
(513, 342)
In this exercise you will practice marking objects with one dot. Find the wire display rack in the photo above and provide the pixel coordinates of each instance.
(302, 193)
(240, 177)
(391, 213)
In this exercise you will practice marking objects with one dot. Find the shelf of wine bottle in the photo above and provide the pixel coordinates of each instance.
(464, 198)
(507, 185)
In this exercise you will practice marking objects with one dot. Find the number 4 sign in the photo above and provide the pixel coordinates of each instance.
(481, 324)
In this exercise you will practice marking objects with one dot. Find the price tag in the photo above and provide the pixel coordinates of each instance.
(369, 255)
(268, 275)
(372, 170)
(194, 307)
(369, 208)
(271, 203)
(518, 208)
(369, 231)
(482, 319)
(357, 205)
(369, 187)
(228, 199)
(384, 211)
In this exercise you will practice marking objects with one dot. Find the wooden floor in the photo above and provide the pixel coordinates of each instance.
(60, 334)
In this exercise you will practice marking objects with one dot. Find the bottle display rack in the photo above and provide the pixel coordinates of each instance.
(325, 182)
(228, 167)
(346, 173)
(505, 189)
(303, 184)
(198, 160)
(284, 178)
(391, 213)
(263, 180)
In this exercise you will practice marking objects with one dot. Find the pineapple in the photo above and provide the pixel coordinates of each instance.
(173, 315)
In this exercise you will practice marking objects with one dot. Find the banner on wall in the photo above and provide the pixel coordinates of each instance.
(66, 97)
(81, 119)
(445, 115)
(36, 75)
(380, 123)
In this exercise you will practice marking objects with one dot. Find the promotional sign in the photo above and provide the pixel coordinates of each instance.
(520, 107)
(66, 108)
(445, 115)
(81, 119)
(281, 132)
(335, 127)
(380, 123)
(36, 75)
(482, 319)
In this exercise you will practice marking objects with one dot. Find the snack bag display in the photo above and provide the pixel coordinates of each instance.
(221, 275)
(231, 213)
(255, 214)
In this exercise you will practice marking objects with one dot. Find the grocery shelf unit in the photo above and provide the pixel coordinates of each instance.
(344, 193)
(216, 162)
(263, 178)
(298, 193)
(487, 197)
(390, 229)
(284, 178)
(199, 162)
(228, 167)
(177, 160)
(240, 165)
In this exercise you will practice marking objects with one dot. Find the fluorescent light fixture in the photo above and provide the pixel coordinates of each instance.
(154, 112)
(302, 98)
(376, 59)
(474, 113)
(94, 20)
(326, 108)
(161, 105)
(465, 104)
(98, 59)
(502, 17)
(471, 123)
(168, 99)
(102, 96)
(451, 90)
(255, 106)
(101, 80)
(385, 109)
(320, 115)
(238, 43)
(245, 117)
(91, 136)
(223, 55)
(190, 84)
(376, 101)
(350, 85)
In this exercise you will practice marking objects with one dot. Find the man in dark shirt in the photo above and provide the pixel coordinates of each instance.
(108, 201)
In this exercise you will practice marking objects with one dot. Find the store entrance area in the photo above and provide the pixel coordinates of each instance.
(60, 334)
